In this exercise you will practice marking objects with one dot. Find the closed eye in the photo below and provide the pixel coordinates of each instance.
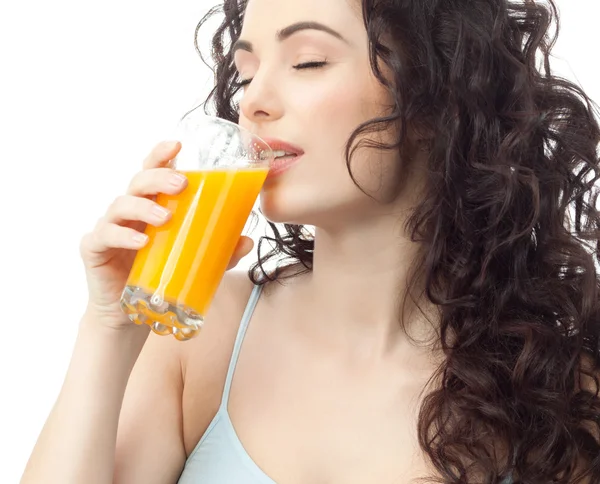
(306, 65)
(310, 65)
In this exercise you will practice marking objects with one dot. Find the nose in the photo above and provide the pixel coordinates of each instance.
(261, 101)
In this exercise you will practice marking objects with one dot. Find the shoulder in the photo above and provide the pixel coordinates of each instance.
(214, 343)
(205, 359)
(184, 380)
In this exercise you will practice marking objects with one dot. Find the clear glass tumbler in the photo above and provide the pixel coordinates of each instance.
(175, 276)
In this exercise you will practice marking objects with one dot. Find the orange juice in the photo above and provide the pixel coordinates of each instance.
(175, 276)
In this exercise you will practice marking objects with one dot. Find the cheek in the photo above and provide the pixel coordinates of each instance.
(334, 105)
(325, 113)
(332, 111)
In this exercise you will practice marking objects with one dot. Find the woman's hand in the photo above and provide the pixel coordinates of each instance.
(109, 250)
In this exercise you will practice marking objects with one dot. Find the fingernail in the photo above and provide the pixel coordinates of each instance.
(172, 145)
(140, 238)
(160, 212)
(177, 179)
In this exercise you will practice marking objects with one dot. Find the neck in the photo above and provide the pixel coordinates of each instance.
(358, 282)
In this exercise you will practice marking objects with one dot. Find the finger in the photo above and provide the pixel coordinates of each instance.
(128, 208)
(157, 180)
(111, 236)
(242, 249)
(246, 244)
(162, 154)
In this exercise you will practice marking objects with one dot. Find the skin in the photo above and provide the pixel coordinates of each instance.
(337, 401)
(328, 394)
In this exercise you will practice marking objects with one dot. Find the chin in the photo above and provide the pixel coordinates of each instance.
(281, 206)
(288, 203)
(301, 207)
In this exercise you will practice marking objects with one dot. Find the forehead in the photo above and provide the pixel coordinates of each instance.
(267, 16)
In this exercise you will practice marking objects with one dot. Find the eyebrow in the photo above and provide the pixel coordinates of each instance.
(288, 32)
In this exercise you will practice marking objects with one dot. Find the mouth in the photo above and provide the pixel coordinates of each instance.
(281, 164)
(285, 155)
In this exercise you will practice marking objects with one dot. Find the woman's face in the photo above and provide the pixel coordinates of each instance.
(315, 109)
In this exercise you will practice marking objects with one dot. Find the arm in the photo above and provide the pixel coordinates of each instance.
(78, 442)
(120, 421)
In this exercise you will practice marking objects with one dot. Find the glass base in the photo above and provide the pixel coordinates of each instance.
(163, 317)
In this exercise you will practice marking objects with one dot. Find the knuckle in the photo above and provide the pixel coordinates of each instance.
(97, 224)
(121, 200)
(134, 184)
(91, 240)
(84, 243)
(116, 204)
(100, 227)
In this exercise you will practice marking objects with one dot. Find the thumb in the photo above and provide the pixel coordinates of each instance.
(242, 249)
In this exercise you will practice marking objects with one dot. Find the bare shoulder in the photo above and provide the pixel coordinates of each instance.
(183, 381)
(221, 322)
(205, 359)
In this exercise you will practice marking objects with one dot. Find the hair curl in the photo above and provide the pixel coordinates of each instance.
(508, 225)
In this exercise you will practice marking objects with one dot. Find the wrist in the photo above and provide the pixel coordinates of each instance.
(107, 317)
(112, 325)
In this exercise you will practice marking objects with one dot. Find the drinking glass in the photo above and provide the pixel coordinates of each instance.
(175, 276)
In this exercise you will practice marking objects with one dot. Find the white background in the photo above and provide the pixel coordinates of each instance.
(86, 90)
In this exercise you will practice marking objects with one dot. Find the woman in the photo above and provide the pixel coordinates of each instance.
(442, 323)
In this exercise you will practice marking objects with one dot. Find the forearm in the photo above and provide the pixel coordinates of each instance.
(77, 443)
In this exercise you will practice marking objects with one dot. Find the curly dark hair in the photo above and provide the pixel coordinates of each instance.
(507, 223)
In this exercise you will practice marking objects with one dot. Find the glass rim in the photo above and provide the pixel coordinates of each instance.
(233, 125)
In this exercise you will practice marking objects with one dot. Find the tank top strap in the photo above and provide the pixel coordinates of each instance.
(254, 296)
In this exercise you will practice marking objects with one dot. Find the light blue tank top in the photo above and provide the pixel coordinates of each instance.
(219, 457)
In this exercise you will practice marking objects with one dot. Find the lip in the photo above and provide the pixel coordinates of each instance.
(279, 166)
